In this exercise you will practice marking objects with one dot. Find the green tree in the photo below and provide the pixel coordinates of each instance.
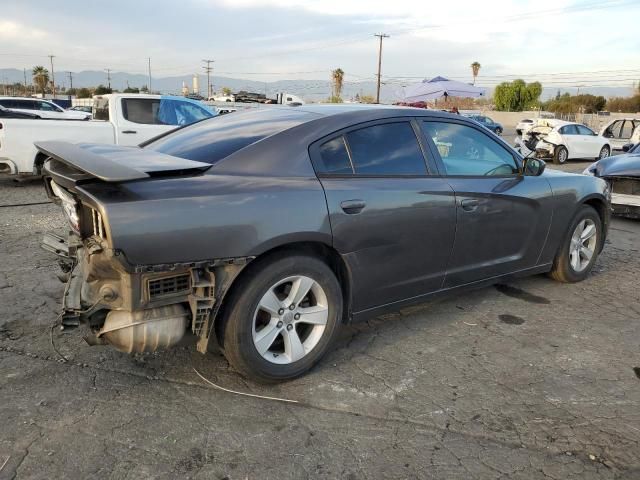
(83, 93)
(517, 96)
(131, 90)
(585, 103)
(334, 99)
(40, 78)
(102, 90)
(226, 91)
(337, 79)
(475, 70)
(144, 89)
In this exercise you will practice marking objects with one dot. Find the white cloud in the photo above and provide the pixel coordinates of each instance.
(15, 31)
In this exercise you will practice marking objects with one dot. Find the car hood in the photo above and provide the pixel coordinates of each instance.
(619, 166)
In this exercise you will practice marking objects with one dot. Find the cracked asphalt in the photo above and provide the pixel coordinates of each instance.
(532, 379)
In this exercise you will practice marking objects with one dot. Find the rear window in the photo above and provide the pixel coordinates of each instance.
(212, 140)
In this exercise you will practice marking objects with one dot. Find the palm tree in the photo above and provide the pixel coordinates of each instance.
(40, 78)
(337, 76)
(475, 69)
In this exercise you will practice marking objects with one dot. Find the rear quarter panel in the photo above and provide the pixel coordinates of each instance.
(211, 216)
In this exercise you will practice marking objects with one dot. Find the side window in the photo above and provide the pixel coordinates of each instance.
(386, 149)
(47, 107)
(616, 129)
(568, 130)
(334, 157)
(25, 105)
(582, 130)
(141, 110)
(179, 112)
(467, 151)
(7, 103)
(627, 129)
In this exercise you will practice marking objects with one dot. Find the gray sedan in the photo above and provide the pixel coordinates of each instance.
(264, 231)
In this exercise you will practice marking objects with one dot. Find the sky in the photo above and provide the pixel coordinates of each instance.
(558, 42)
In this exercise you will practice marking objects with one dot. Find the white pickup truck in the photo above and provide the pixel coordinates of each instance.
(121, 119)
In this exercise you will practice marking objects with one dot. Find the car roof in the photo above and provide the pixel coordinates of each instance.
(23, 98)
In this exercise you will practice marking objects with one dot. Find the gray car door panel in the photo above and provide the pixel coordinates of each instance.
(505, 229)
(398, 245)
(502, 220)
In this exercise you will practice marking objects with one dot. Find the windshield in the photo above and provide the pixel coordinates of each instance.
(212, 140)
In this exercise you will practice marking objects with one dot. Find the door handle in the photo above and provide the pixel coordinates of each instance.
(129, 131)
(352, 207)
(469, 205)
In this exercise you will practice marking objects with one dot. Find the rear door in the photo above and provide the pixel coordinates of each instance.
(392, 219)
(502, 216)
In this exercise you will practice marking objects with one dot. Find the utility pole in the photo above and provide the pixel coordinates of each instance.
(26, 92)
(149, 91)
(70, 83)
(108, 78)
(380, 36)
(53, 77)
(208, 69)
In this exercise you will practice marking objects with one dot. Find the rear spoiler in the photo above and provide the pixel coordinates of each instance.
(118, 164)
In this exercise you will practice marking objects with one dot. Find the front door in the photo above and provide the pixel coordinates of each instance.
(392, 222)
(502, 216)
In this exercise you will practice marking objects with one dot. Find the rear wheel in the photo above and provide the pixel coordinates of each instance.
(282, 318)
(580, 247)
(561, 155)
(498, 131)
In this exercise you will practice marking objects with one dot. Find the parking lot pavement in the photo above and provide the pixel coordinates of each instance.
(532, 379)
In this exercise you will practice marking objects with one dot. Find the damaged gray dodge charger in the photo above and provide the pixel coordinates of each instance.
(264, 231)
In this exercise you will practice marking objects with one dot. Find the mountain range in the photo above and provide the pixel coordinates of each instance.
(309, 90)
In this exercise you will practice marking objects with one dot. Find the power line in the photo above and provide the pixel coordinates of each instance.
(380, 36)
(53, 77)
(208, 68)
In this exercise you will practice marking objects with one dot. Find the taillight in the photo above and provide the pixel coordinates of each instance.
(69, 205)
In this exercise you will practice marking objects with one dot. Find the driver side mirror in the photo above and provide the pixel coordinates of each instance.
(533, 167)
(626, 147)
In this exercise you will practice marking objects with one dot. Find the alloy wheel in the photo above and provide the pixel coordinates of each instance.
(583, 245)
(290, 319)
(604, 153)
(562, 155)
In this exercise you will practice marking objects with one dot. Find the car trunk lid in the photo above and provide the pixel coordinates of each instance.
(75, 163)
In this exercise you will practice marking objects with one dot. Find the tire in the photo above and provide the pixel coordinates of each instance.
(605, 151)
(247, 324)
(560, 155)
(498, 131)
(563, 269)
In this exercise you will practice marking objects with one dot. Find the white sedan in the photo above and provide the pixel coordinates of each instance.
(41, 108)
(562, 141)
